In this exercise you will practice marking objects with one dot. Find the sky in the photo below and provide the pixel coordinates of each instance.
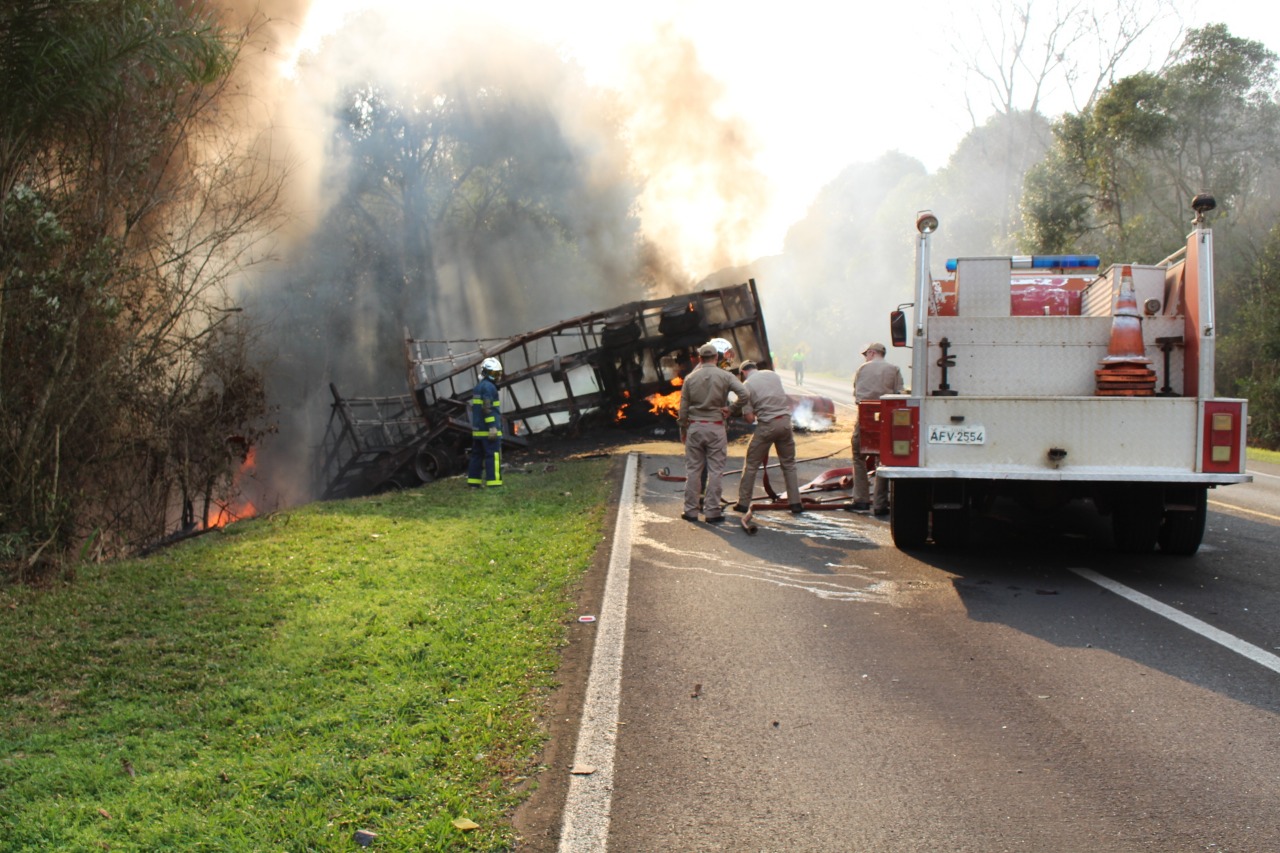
(815, 86)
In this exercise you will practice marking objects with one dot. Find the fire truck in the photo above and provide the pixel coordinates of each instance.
(1042, 380)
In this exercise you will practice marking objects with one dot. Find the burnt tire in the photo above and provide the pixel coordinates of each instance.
(432, 463)
(391, 484)
(909, 513)
(619, 333)
(1182, 530)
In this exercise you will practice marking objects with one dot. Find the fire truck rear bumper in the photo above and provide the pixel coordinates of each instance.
(1078, 474)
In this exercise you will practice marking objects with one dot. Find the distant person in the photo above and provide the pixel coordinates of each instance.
(797, 364)
(704, 407)
(485, 466)
(769, 410)
(874, 378)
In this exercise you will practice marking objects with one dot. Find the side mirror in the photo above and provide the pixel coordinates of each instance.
(898, 328)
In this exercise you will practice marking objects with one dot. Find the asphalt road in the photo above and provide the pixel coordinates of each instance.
(811, 688)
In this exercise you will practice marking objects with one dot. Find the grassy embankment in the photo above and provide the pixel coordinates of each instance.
(373, 664)
(1257, 454)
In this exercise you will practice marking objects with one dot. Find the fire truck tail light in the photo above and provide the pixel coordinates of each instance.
(1222, 437)
(900, 441)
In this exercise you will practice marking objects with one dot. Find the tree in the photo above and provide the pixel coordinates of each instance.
(473, 180)
(1033, 52)
(1150, 142)
(126, 208)
(1034, 55)
(1249, 356)
(977, 194)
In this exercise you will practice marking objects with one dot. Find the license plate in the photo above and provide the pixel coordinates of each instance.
(973, 434)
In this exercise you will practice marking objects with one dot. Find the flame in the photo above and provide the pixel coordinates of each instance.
(666, 404)
(238, 508)
(659, 404)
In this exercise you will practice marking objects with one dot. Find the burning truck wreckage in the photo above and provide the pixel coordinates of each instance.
(620, 368)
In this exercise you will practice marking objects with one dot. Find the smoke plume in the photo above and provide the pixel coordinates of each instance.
(703, 192)
(453, 179)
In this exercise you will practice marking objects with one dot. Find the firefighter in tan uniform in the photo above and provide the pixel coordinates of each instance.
(771, 413)
(704, 408)
(874, 378)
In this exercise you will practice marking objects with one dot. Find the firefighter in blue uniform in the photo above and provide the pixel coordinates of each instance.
(486, 428)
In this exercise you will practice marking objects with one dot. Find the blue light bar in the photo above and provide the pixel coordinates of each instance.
(1045, 262)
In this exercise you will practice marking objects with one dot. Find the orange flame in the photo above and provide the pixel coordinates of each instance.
(667, 404)
(238, 508)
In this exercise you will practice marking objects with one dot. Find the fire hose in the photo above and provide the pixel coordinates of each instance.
(830, 480)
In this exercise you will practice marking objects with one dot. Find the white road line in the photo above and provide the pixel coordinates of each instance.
(585, 828)
(1204, 629)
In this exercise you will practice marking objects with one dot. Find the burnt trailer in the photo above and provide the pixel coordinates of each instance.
(598, 368)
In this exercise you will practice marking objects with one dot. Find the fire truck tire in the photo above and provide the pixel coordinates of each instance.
(1136, 520)
(1181, 531)
(950, 527)
(909, 513)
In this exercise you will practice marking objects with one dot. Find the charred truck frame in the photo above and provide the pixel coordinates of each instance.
(600, 366)
(1034, 378)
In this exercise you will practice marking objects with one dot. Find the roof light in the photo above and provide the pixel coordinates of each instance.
(1045, 262)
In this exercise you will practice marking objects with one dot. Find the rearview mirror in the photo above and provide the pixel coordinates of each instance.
(898, 328)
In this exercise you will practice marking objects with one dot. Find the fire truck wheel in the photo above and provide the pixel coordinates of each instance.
(1135, 520)
(950, 527)
(908, 513)
(1182, 530)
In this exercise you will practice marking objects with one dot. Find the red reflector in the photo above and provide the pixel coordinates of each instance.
(1223, 437)
(899, 434)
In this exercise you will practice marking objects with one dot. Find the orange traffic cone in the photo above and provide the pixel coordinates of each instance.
(1126, 370)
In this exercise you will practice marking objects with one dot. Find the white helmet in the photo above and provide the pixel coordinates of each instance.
(491, 366)
(724, 351)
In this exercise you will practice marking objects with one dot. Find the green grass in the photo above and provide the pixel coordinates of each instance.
(1257, 454)
(372, 664)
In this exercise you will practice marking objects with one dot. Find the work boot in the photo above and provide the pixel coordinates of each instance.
(859, 506)
(715, 519)
(741, 508)
(880, 511)
(797, 508)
